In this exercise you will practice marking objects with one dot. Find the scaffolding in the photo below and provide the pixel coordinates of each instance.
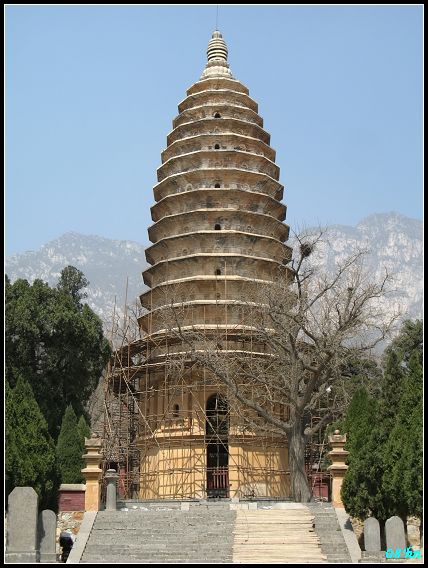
(120, 425)
(162, 435)
(315, 459)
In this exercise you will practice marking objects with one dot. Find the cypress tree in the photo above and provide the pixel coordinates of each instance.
(361, 489)
(30, 450)
(84, 430)
(55, 342)
(72, 281)
(402, 479)
(69, 448)
(385, 436)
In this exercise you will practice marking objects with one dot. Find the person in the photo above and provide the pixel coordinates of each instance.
(66, 541)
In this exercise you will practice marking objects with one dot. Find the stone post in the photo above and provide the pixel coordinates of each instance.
(395, 536)
(47, 536)
(21, 540)
(111, 494)
(92, 472)
(372, 552)
(372, 535)
(338, 468)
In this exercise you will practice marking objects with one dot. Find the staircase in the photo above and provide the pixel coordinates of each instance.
(216, 533)
(327, 528)
(276, 536)
(199, 535)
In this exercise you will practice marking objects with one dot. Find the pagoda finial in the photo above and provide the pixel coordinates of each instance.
(217, 58)
(217, 48)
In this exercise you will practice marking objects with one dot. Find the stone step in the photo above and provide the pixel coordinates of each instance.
(327, 528)
(144, 560)
(212, 533)
(165, 535)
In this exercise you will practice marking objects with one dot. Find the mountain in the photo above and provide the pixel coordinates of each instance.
(106, 263)
(394, 244)
(394, 241)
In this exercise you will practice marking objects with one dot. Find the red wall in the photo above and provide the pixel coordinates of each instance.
(71, 501)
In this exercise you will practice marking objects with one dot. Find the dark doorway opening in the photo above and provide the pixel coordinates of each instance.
(217, 432)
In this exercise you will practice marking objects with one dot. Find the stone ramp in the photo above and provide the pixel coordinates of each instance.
(199, 535)
(276, 536)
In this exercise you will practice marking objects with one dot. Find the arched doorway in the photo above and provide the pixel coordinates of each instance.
(217, 434)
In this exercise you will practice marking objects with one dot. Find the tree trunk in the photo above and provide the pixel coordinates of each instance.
(300, 490)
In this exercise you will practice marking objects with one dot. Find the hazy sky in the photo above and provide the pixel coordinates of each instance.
(91, 92)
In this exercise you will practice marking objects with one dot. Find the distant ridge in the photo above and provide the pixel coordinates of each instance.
(395, 242)
(106, 263)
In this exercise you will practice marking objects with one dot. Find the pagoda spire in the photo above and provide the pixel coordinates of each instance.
(217, 65)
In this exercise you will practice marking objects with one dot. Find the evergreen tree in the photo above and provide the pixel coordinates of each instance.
(402, 480)
(401, 418)
(30, 450)
(361, 489)
(392, 387)
(385, 436)
(69, 449)
(9, 436)
(72, 281)
(84, 430)
(56, 344)
(408, 343)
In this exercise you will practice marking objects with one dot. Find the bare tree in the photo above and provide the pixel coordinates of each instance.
(124, 332)
(301, 333)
